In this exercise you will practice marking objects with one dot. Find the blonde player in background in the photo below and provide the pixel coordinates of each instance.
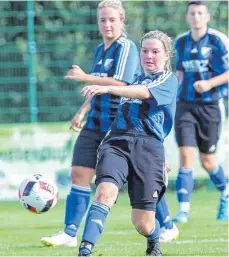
(116, 62)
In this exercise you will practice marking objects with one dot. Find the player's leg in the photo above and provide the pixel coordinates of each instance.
(168, 230)
(106, 195)
(217, 176)
(78, 199)
(211, 129)
(76, 205)
(147, 225)
(185, 183)
(185, 129)
(111, 173)
(146, 185)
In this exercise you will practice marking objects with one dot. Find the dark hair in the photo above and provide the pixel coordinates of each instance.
(197, 3)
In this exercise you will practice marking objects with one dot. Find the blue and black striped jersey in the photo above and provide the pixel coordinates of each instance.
(202, 60)
(153, 116)
(121, 62)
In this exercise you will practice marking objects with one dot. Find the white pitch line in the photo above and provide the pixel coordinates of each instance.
(203, 241)
(121, 232)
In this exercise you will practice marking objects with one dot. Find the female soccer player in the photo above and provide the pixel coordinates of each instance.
(202, 70)
(116, 63)
(133, 148)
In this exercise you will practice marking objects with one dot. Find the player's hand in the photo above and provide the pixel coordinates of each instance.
(90, 91)
(77, 121)
(76, 73)
(202, 86)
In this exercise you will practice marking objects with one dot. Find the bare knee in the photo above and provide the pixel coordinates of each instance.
(144, 228)
(144, 221)
(82, 176)
(106, 193)
(187, 156)
(208, 161)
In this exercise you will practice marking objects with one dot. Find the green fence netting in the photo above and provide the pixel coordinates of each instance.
(39, 40)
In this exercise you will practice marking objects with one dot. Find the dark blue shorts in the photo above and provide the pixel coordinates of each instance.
(85, 149)
(138, 160)
(198, 125)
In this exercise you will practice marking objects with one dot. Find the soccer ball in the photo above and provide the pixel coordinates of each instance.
(38, 195)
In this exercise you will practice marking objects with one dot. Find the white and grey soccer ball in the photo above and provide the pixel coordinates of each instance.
(37, 194)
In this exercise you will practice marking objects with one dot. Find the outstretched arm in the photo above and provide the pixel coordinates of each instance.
(77, 74)
(162, 89)
(140, 92)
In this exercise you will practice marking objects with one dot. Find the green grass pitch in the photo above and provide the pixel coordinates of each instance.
(20, 230)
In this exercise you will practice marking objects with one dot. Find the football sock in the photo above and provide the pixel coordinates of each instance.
(162, 213)
(76, 206)
(95, 221)
(217, 176)
(184, 188)
(154, 235)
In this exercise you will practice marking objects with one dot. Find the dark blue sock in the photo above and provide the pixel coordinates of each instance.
(184, 185)
(154, 236)
(95, 221)
(76, 206)
(217, 176)
(162, 213)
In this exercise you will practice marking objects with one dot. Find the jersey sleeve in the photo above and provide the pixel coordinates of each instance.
(164, 89)
(127, 63)
(177, 46)
(220, 56)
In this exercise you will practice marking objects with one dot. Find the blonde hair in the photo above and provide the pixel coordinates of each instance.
(165, 40)
(116, 4)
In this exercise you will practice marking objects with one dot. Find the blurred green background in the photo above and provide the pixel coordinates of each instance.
(39, 41)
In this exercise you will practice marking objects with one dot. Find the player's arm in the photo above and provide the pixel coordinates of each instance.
(126, 63)
(140, 92)
(162, 90)
(202, 86)
(220, 65)
(219, 80)
(79, 116)
(77, 74)
(102, 81)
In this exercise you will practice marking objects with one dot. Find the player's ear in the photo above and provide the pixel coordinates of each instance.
(167, 56)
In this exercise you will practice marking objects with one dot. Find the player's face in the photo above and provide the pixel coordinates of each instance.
(153, 56)
(198, 16)
(110, 24)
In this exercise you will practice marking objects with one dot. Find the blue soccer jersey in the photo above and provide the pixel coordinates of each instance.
(202, 60)
(121, 62)
(153, 116)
